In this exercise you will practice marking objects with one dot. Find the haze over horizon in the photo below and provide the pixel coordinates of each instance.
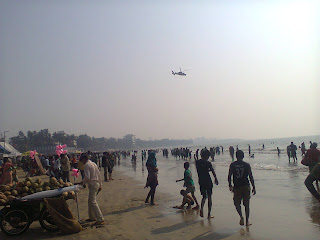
(104, 68)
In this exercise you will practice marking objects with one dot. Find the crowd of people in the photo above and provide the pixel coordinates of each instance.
(90, 164)
(240, 178)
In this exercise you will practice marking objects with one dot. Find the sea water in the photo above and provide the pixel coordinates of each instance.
(282, 208)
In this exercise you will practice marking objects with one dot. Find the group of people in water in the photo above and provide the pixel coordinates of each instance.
(240, 180)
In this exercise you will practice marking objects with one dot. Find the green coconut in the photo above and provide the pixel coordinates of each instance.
(28, 179)
(7, 193)
(38, 181)
(25, 189)
(14, 193)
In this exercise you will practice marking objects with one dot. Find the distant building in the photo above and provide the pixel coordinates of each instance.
(129, 141)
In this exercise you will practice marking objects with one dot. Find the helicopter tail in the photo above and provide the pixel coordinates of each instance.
(173, 73)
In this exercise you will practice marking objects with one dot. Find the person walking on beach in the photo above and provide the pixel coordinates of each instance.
(188, 183)
(240, 171)
(93, 178)
(278, 150)
(152, 182)
(105, 164)
(203, 168)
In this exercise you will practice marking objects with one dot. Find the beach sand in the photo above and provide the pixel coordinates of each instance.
(128, 217)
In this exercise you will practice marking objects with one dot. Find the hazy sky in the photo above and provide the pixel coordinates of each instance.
(104, 68)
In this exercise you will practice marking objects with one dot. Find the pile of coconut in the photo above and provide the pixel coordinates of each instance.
(27, 187)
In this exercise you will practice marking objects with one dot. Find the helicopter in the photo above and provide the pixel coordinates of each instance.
(179, 73)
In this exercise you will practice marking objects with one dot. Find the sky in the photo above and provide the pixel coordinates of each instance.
(103, 68)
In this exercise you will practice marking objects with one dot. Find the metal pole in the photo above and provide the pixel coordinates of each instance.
(77, 200)
(4, 143)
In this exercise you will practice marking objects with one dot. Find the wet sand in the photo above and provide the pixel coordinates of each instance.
(282, 208)
(128, 217)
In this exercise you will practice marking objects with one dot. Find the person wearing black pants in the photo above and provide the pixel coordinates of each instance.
(152, 182)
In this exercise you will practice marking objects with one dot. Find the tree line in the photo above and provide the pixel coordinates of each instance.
(33, 139)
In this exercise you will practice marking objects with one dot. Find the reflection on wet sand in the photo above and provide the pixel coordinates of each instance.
(313, 209)
(282, 197)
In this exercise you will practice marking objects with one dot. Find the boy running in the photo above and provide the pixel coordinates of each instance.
(188, 183)
(240, 171)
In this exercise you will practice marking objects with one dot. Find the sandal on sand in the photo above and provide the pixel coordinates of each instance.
(98, 223)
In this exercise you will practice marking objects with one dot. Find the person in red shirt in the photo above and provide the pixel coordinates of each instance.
(313, 155)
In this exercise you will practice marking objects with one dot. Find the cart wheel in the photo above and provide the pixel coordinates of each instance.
(47, 222)
(14, 222)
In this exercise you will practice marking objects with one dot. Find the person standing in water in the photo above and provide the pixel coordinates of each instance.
(303, 148)
(231, 150)
(289, 152)
(293, 150)
(240, 171)
(203, 168)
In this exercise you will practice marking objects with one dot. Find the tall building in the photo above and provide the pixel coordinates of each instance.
(129, 141)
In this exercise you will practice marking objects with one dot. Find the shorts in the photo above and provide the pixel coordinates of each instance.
(190, 189)
(242, 193)
(206, 190)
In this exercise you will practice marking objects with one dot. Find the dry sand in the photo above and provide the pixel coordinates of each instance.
(128, 217)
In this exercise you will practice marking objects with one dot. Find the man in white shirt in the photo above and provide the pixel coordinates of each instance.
(92, 177)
